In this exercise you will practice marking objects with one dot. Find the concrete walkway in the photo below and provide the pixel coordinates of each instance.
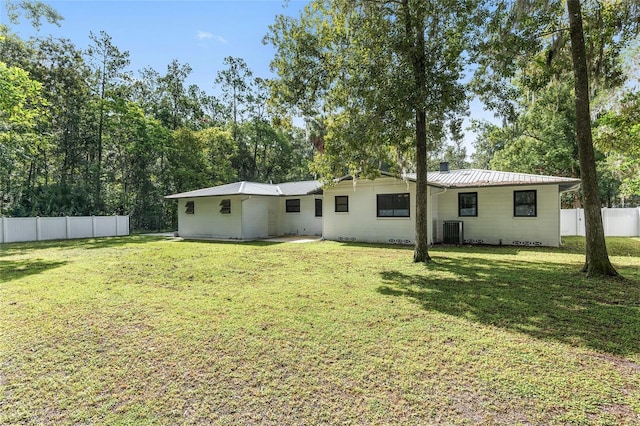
(297, 239)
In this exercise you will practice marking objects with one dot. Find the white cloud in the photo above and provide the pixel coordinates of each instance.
(205, 35)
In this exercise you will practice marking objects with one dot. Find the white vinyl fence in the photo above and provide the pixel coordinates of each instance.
(617, 222)
(16, 229)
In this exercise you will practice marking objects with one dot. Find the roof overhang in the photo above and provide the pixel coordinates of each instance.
(287, 189)
(514, 180)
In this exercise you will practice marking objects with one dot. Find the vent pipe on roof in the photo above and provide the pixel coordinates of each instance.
(444, 167)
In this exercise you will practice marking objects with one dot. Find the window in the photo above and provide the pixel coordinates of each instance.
(525, 203)
(318, 207)
(393, 205)
(467, 204)
(293, 206)
(342, 204)
(190, 207)
(225, 206)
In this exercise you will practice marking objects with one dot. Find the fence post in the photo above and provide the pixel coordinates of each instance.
(117, 233)
(93, 226)
(66, 228)
(38, 228)
(2, 229)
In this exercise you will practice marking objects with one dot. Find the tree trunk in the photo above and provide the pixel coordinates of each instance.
(597, 259)
(421, 251)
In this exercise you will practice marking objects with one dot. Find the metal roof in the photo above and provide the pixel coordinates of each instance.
(253, 188)
(465, 178)
(300, 188)
(469, 178)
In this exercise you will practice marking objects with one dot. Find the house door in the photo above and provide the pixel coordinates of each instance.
(272, 226)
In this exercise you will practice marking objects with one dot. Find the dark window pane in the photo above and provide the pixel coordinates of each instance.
(525, 203)
(393, 205)
(342, 203)
(468, 204)
(293, 206)
(318, 207)
(225, 206)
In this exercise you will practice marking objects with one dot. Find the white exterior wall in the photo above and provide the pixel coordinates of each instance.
(361, 222)
(303, 223)
(251, 217)
(495, 222)
(207, 221)
(255, 216)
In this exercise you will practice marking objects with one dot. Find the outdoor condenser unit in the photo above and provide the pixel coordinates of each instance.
(453, 232)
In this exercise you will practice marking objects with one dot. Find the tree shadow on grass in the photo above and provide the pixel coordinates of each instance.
(545, 301)
(15, 269)
(8, 249)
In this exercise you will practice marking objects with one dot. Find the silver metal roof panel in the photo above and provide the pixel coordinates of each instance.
(253, 188)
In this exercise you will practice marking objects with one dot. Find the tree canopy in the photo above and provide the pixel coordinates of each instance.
(384, 78)
(82, 134)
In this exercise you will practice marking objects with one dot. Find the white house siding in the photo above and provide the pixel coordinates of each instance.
(303, 223)
(495, 222)
(207, 221)
(361, 222)
(255, 216)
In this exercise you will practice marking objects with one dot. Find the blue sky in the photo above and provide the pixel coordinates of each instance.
(200, 33)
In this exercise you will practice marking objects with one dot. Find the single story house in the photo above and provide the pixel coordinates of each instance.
(464, 206)
(249, 210)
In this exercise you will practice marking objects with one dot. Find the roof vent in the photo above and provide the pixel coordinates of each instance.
(444, 167)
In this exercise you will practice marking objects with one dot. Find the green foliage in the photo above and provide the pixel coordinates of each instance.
(220, 151)
(32, 10)
(543, 141)
(619, 129)
(22, 110)
(349, 65)
(80, 136)
(21, 103)
(187, 162)
(525, 76)
(618, 133)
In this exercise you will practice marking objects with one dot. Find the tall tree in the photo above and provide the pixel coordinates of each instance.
(61, 69)
(174, 101)
(597, 259)
(21, 109)
(525, 54)
(235, 83)
(108, 65)
(386, 75)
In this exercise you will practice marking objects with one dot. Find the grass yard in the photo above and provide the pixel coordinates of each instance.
(139, 330)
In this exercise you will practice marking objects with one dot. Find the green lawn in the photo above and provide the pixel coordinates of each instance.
(140, 330)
